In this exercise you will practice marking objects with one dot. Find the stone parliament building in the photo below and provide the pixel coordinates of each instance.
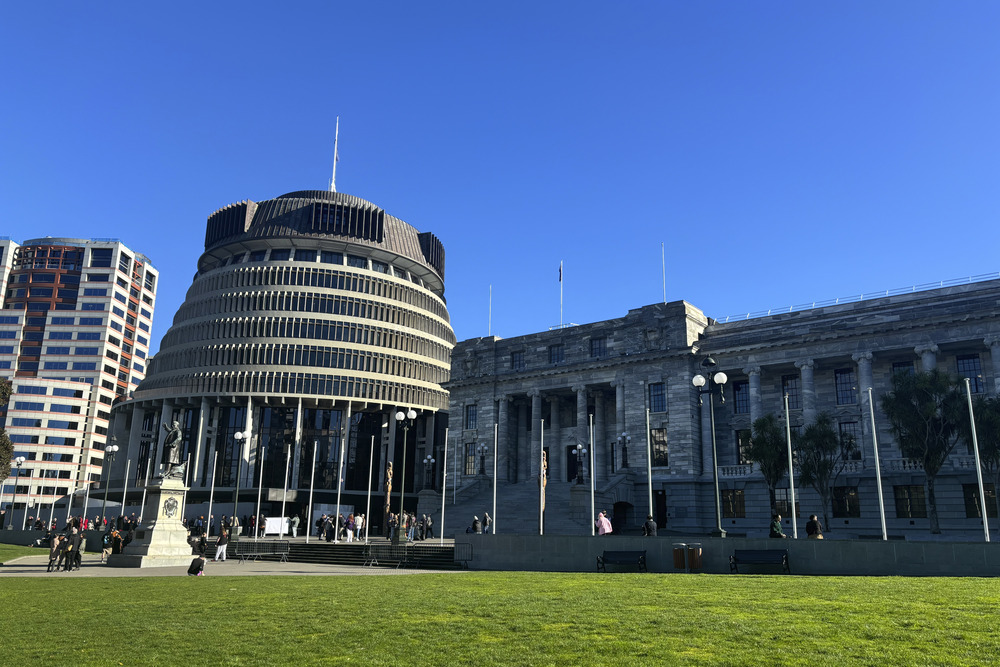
(548, 387)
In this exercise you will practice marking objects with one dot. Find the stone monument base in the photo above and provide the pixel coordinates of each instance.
(161, 540)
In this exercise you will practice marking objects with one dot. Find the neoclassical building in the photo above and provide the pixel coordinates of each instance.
(633, 375)
(312, 318)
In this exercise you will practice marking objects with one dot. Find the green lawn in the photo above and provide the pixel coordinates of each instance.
(500, 618)
(10, 551)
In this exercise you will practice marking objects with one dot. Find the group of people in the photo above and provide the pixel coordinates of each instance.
(814, 529)
(413, 529)
(347, 528)
(480, 527)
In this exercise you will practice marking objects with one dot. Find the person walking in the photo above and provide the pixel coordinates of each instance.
(649, 528)
(220, 547)
(487, 522)
(775, 530)
(295, 526)
(603, 524)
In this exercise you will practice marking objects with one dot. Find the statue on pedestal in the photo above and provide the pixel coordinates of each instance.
(172, 451)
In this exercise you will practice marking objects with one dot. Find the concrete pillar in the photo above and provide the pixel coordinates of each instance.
(602, 445)
(756, 402)
(503, 440)
(928, 356)
(523, 450)
(993, 342)
(536, 432)
(805, 367)
(865, 380)
(557, 464)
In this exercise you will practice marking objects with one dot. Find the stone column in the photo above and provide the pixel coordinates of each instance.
(865, 380)
(503, 444)
(928, 356)
(805, 367)
(583, 421)
(602, 455)
(619, 408)
(523, 464)
(756, 403)
(993, 342)
(557, 462)
(536, 432)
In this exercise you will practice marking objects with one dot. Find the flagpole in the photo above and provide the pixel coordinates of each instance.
(312, 479)
(368, 503)
(663, 262)
(791, 471)
(211, 493)
(560, 294)
(489, 331)
(496, 430)
(444, 485)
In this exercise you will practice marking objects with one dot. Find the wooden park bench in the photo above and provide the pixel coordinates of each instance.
(759, 557)
(622, 558)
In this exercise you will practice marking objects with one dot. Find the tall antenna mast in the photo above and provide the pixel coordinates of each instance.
(336, 158)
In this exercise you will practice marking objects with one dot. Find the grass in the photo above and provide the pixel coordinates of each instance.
(500, 618)
(10, 552)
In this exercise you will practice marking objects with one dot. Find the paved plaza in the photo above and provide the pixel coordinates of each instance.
(35, 566)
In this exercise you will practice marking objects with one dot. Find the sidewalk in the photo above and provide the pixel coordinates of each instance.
(35, 566)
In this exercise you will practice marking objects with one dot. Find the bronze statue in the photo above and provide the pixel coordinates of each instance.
(172, 451)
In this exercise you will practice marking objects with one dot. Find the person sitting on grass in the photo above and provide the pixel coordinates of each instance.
(197, 567)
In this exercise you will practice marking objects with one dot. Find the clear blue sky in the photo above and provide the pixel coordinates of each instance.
(785, 152)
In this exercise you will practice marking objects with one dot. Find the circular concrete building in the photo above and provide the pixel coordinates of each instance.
(312, 318)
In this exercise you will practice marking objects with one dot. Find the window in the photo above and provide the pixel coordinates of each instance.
(150, 282)
(380, 267)
(851, 431)
(471, 416)
(973, 508)
(69, 409)
(658, 441)
(305, 255)
(63, 320)
(357, 262)
(470, 458)
(790, 387)
(43, 278)
(782, 503)
(910, 502)
(72, 393)
(902, 367)
(29, 405)
(90, 306)
(598, 348)
(31, 389)
(88, 335)
(56, 365)
(741, 397)
(100, 257)
(969, 367)
(29, 423)
(328, 257)
(847, 393)
(58, 423)
(8, 334)
(84, 365)
(517, 361)
(124, 263)
(742, 443)
(6, 349)
(280, 255)
(86, 350)
(99, 277)
(657, 397)
(94, 291)
(557, 353)
(56, 350)
(733, 504)
(92, 321)
(258, 255)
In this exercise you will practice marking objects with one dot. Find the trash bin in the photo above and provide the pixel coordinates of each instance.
(679, 556)
(694, 556)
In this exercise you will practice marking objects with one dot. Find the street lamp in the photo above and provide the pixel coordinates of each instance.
(428, 471)
(406, 418)
(19, 461)
(107, 482)
(623, 442)
(239, 436)
(482, 457)
(713, 381)
(581, 454)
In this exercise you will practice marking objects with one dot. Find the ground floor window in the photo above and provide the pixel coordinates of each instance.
(783, 503)
(910, 502)
(658, 440)
(470, 458)
(973, 508)
(733, 504)
(845, 502)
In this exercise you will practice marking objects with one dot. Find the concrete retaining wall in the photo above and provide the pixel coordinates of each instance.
(818, 557)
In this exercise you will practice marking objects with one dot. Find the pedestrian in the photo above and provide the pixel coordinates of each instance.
(428, 527)
(359, 525)
(477, 527)
(487, 522)
(220, 546)
(649, 528)
(349, 527)
(55, 551)
(814, 529)
(295, 525)
(105, 547)
(603, 524)
(775, 530)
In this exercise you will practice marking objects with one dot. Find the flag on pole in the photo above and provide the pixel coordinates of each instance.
(560, 271)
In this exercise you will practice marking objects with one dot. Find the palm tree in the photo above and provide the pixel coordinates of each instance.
(769, 451)
(823, 453)
(925, 412)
